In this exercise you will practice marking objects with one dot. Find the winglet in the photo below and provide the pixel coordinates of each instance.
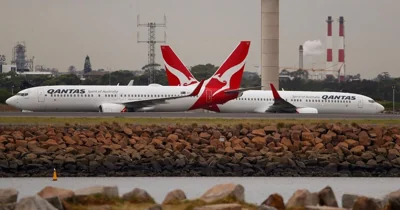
(196, 91)
(274, 92)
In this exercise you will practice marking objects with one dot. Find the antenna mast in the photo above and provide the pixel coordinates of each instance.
(152, 42)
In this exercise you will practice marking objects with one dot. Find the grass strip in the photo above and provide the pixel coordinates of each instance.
(209, 121)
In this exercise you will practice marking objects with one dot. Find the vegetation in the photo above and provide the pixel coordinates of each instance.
(187, 121)
(379, 89)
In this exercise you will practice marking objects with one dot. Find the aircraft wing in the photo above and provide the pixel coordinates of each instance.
(242, 89)
(280, 105)
(154, 101)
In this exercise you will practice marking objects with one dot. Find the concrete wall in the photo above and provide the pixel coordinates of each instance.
(269, 43)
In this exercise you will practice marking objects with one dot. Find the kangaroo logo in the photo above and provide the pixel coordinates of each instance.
(225, 77)
(184, 80)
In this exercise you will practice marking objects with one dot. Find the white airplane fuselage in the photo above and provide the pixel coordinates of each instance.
(90, 98)
(324, 102)
(47, 99)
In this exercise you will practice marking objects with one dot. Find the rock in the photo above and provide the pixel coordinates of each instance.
(244, 131)
(229, 206)
(365, 203)
(172, 138)
(56, 202)
(101, 207)
(128, 131)
(323, 208)
(62, 194)
(358, 150)
(34, 203)
(392, 200)
(259, 141)
(275, 200)
(264, 207)
(8, 195)
(8, 206)
(348, 200)
(258, 132)
(106, 191)
(138, 195)
(285, 141)
(224, 191)
(175, 196)
(313, 199)
(205, 135)
(270, 129)
(307, 136)
(155, 207)
(300, 198)
(364, 139)
(327, 197)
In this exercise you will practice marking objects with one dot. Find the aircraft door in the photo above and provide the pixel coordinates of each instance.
(40, 95)
(208, 96)
(360, 103)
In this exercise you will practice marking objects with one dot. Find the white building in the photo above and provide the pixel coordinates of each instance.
(7, 68)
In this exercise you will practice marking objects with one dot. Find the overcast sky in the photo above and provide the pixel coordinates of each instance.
(61, 33)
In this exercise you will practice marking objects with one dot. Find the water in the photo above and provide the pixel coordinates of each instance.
(257, 189)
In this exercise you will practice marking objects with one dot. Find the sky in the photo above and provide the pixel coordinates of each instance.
(61, 33)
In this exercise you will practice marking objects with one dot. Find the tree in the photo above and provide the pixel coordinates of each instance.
(87, 67)
(150, 66)
(383, 76)
(72, 69)
(203, 71)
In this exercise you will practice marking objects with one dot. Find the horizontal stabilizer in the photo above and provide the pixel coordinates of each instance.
(243, 89)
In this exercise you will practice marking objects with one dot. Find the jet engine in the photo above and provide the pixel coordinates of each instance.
(112, 108)
(307, 110)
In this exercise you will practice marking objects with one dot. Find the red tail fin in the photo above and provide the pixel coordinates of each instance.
(231, 71)
(177, 73)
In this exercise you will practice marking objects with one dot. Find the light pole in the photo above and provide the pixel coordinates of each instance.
(393, 87)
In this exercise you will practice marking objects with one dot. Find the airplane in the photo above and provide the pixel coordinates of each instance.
(272, 101)
(221, 87)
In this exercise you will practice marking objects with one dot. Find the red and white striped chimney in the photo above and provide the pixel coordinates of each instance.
(341, 47)
(329, 44)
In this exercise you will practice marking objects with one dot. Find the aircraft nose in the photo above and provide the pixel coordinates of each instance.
(11, 101)
(381, 108)
(8, 101)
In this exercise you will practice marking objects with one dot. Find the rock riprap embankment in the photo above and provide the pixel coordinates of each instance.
(228, 196)
(111, 149)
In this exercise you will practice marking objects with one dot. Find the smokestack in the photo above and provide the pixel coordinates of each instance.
(329, 44)
(341, 47)
(269, 43)
(301, 57)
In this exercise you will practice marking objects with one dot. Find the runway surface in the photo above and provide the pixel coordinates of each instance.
(201, 115)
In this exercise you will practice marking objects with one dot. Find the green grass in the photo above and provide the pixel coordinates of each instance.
(199, 121)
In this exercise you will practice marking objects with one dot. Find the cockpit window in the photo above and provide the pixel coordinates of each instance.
(371, 101)
(22, 94)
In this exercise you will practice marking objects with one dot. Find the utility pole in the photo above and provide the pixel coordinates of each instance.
(393, 87)
(152, 42)
(109, 76)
